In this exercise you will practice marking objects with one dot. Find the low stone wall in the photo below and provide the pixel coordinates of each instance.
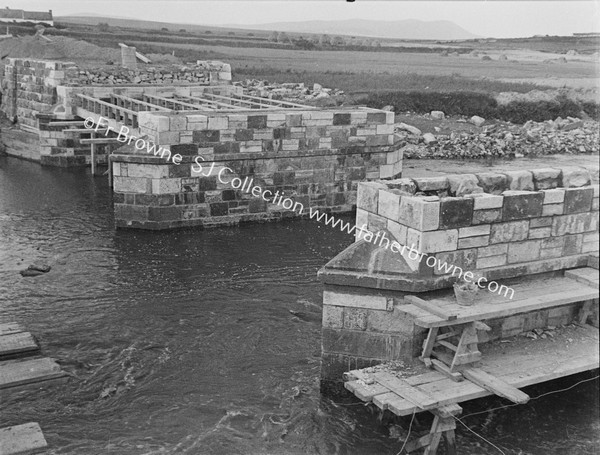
(314, 157)
(514, 224)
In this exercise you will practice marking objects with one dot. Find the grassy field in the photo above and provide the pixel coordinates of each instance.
(395, 70)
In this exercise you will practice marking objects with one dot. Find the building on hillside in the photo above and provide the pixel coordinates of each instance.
(20, 16)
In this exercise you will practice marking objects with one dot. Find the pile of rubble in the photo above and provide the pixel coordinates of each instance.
(290, 91)
(566, 136)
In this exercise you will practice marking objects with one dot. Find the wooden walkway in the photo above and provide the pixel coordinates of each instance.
(21, 369)
(464, 370)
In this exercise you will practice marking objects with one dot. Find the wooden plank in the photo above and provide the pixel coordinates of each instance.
(101, 140)
(10, 328)
(14, 374)
(363, 391)
(68, 122)
(518, 369)
(515, 307)
(405, 390)
(17, 343)
(445, 370)
(586, 275)
(429, 343)
(495, 385)
(85, 130)
(431, 307)
(22, 439)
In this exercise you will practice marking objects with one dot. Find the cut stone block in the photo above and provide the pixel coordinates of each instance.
(492, 261)
(522, 204)
(474, 242)
(572, 224)
(493, 183)
(465, 259)
(368, 196)
(389, 204)
(555, 196)
(578, 200)
(474, 231)
(398, 231)
(509, 232)
(524, 251)
(418, 213)
(487, 216)
(573, 244)
(484, 201)
(406, 185)
(432, 183)
(438, 241)
(520, 180)
(456, 212)
(546, 178)
(553, 209)
(492, 250)
(373, 302)
(463, 184)
(575, 177)
(333, 316)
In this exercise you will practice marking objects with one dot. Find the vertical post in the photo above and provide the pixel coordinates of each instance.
(93, 150)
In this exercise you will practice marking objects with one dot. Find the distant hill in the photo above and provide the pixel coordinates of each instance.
(408, 29)
(89, 19)
(401, 29)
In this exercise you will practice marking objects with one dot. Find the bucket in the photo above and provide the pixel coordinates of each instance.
(465, 296)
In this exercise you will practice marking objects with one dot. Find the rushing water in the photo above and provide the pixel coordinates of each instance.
(203, 342)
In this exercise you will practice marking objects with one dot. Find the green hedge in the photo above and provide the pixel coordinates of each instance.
(482, 104)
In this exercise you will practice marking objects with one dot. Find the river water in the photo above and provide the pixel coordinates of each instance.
(204, 342)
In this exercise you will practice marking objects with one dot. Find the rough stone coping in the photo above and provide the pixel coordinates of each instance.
(495, 182)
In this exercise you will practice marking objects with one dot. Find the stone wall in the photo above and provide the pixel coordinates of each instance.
(313, 156)
(29, 87)
(500, 225)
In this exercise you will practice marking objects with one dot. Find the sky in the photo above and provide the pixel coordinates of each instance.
(500, 19)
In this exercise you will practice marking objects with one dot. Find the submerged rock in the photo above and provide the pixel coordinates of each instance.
(35, 270)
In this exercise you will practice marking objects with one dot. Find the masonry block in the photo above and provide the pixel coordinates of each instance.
(578, 200)
(422, 213)
(492, 261)
(342, 299)
(367, 344)
(521, 204)
(355, 319)
(493, 183)
(474, 242)
(398, 231)
(395, 321)
(432, 183)
(368, 196)
(575, 177)
(513, 231)
(466, 259)
(572, 224)
(546, 178)
(487, 216)
(484, 201)
(405, 185)
(520, 180)
(474, 231)
(438, 241)
(524, 251)
(456, 212)
(463, 184)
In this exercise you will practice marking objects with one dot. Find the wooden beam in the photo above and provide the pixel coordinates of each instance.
(495, 385)
(101, 140)
(28, 372)
(85, 130)
(405, 390)
(68, 123)
(445, 370)
(22, 439)
(17, 343)
(448, 315)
